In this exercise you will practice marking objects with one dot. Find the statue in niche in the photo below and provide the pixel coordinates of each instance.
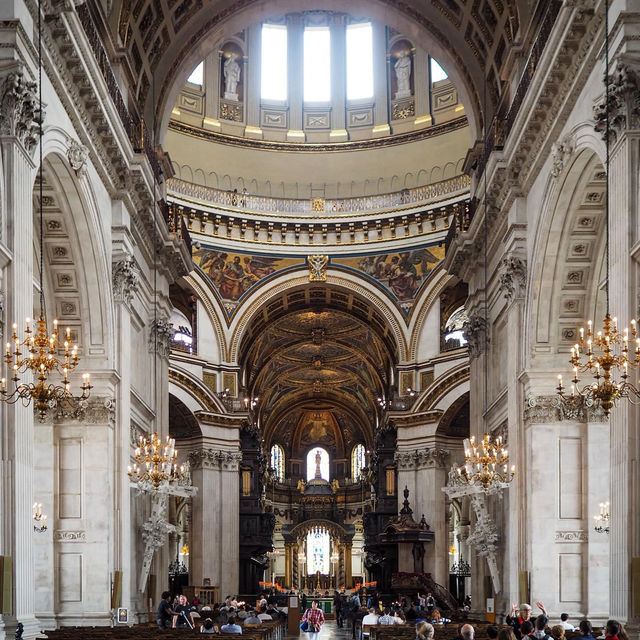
(231, 77)
(402, 68)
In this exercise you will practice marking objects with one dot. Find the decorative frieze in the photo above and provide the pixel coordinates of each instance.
(417, 459)
(96, 410)
(475, 330)
(215, 459)
(513, 277)
(572, 536)
(69, 536)
(126, 279)
(550, 409)
(19, 110)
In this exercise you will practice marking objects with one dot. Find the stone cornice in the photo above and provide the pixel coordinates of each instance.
(401, 420)
(550, 409)
(214, 459)
(417, 459)
(219, 420)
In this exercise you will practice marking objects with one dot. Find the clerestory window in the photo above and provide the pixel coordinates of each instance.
(359, 61)
(273, 84)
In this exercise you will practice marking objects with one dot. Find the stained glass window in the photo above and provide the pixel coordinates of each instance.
(357, 461)
(318, 547)
(277, 461)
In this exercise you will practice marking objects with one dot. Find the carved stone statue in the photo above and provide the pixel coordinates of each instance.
(402, 68)
(231, 77)
(318, 461)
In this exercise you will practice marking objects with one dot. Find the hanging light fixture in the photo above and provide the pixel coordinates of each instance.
(606, 355)
(38, 351)
(486, 465)
(39, 518)
(602, 519)
(156, 462)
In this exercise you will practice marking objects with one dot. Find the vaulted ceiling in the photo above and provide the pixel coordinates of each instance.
(165, 39)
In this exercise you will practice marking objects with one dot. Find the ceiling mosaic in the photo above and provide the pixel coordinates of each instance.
(401, 275)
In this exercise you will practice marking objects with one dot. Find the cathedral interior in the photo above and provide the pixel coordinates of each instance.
(314, 298)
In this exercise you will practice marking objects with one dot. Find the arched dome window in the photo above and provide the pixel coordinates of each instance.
(454, 329)
(357, 461)
(182, 331)
(318, 461)
(277, 461)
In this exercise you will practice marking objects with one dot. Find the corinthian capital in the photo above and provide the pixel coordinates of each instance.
(19, 110)
(475, 330)
(513, 277)
(126, 279)
(624, 102)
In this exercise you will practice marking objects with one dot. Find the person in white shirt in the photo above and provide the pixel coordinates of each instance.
(370, 618)
(387, 618)
(564, 624)
(263, 615)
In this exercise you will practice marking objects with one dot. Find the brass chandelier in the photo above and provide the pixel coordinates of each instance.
(156, 462)
(486, 464)
(607, 354)
(39, 351)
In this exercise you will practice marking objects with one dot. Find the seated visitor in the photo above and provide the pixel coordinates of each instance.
(263, 615)
(467, 632)
(567, 626)
(424, 631)
(242, 613)
(231, 626)
(371, 617)
(411, 614)
(165, 612)
(492, 631)
(209, 627)
(540, 632)
(398, 616)
(386, 617)
(506, 633)
(252, 619)
(586, 630)
(526, 628)
(614, 630)
(557, 632)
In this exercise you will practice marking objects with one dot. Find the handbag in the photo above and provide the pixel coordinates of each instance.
(304, 625)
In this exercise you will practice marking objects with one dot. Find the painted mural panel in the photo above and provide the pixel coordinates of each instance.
(234, 274)
(402, 273)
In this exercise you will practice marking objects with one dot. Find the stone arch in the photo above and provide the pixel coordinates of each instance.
(304, 528)
(360, 293)
(76, 260)
(567, 255)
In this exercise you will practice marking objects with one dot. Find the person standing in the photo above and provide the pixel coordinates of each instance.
(165, 612)
(314, 618)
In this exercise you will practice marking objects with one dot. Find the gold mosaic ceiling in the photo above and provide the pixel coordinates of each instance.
(160, 36)
(313, 360)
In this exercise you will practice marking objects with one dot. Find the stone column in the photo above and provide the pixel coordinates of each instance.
(212, 90)
(380, 80)
(288, 562)
(425, 471)
(623, 287)
(126, 280)
(422, 89)
(18, 138)
(295, 49)
(348, 566)
(215, 551)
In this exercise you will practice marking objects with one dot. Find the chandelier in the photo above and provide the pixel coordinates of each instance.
(602, 519)
(486, 464)
(39, 518)
(156, 463)
(461, 568)
(41, 349)
(38, 353)
(606, 356)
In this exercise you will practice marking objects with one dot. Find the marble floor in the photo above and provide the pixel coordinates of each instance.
(329, 631)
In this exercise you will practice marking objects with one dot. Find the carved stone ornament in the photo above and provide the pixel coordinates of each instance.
(126, 279)
(421, 459)
(561, 151)
(19, 110)
(572, 536)
(160, 338)
(624, 103)
(215, 459)
(96, 410)
(485, 537)
(513, 277)
(77, 155)
(154, 533)
(475, 329)
(550, 409)
(69, 536)
(318, 268)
